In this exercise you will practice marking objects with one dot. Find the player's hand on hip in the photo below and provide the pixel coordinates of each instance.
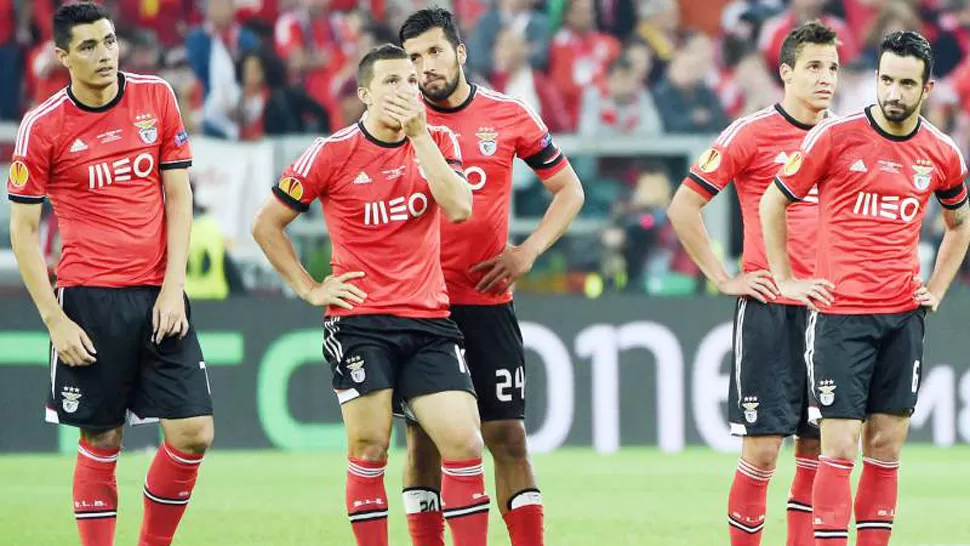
(168, 315)
(811, 292)
(755, 284)
(72, 344)
(336, 290)
(504, 269)
(926, 298)
(408, 111)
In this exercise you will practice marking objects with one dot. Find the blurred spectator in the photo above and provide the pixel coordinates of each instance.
(857, 88)
(579, 56)
(514, 76)
(169, 19)
(308, 38)
(213, 51)
(686, 102)
(892, 16)
(368, 36)
(617, 17)
(520, 18)
(45, 73)
(801, 11)
(640, 56)
(269, 105)
(702, 16)
(142, 52)
(659, 27)
(953, 42)
(623, 107)
(11, 61)
(745, 85)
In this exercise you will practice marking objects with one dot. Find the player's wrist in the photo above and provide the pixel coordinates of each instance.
(53, 316)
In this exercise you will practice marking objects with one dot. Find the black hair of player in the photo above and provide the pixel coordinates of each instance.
(906, 43)
(812, 32)
(426, 19)
(69, 16)
(383, 52)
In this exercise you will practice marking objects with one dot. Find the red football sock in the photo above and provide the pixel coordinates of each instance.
(465, 502)
(800, 531)
(367, 501)
(875, 502)
(746, 504)
(832, 501)
(426, 525)
(168, 487)
(524, 518)
(95, 494)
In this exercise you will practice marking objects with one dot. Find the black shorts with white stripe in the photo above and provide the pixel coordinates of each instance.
(769, 393)
(414, 357)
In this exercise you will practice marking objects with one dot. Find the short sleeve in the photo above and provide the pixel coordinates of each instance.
(447, 142)
(952, 191)
(30, 165)
(175, 150)
(718, 165)
(536, 147)
(306, 178)
(806, 167)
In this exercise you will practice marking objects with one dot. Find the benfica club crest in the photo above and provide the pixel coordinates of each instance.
(70, 395)
(923, 170)
(487, 140)
(147, 129)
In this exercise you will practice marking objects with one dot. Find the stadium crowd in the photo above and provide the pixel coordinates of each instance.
(249, 69)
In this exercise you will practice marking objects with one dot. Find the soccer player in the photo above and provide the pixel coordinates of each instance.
(768, 396)
(111, 154)
(480, 267)
(387, 334)
(875, 171)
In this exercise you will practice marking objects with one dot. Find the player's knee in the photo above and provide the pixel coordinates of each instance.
(463, 444)
(506, 440)
(104, 439)
(882, 446)
(369, 448)
(422, 453)
(808, 447)
(761, 451)
(194, 437)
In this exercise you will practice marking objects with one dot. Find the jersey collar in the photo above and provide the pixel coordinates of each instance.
(381, 143)
(883, 133)
(452, 109)
(788, 117)
(106, 107)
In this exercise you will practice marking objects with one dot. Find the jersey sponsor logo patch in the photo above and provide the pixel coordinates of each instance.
(709, 161)
(147, 129)
(890, 207)
(292, 187)
(924, 174)
(793, 164)
(19, 174)
(487, 140)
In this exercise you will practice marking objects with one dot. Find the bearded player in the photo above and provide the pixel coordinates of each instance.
(480, 267)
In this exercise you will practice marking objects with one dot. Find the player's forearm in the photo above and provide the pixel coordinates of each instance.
(775, 232)
(33, 269)
(565, 206)
(449, 189)
(688, 223)
(280, 252)
(953, 250)
(178, 223)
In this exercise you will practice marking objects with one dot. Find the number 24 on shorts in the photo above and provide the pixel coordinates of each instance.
(505, 384)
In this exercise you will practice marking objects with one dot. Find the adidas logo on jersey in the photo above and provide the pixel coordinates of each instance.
(859, 167)
(362, 178)
(78, 146)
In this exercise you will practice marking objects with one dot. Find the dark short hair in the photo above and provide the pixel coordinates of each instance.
(812, 32)
(384, 52)
(71, 15)
(906, 43)
(426, 19)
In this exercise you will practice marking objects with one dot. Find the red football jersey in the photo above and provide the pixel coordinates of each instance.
(381, 216)
(750, 152)
(873, 192)
(492, 129)
(100, 168)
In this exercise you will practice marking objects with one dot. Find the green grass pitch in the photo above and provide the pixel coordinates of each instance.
(636, 497)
